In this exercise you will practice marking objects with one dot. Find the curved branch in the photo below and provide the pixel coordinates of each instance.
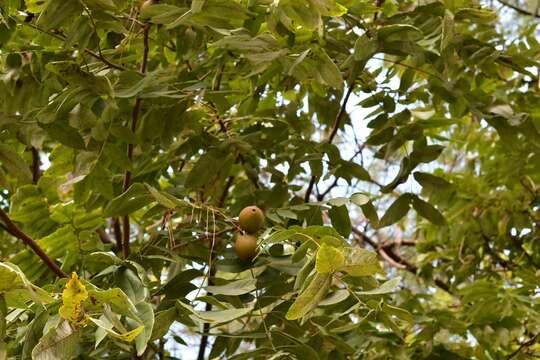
(14, 230)
(394, 259)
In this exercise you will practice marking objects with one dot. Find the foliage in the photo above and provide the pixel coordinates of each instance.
(394, 147)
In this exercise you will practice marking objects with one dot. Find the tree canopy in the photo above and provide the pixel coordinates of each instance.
(392, 146)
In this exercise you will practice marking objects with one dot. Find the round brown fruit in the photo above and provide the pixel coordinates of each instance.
(245, 246)
(251, 219)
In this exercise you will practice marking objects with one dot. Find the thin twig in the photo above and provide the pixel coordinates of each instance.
(524, 345)
(395, 260)
(333, 133)
(14, 230)
(322, 195)
(134, 119)
(102, 58)
(225, 193)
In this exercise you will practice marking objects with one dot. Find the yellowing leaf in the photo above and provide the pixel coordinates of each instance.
(360, 262)
(309, 298)
(329, 259)
(107, 326)
(73, 297)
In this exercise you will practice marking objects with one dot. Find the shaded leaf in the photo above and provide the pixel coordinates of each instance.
(399, 208)
(385, 288)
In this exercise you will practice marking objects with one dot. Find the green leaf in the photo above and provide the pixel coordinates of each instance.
(218, 317)
(329, 259)
(399, 208)
(401, 313)
(426, 154)
(483, 16)
(328, 70)
(61, 342)
(163, 322)
(238, 287)
(387, 287)
(335, 298)
(369, 211)
(146, 314)
(431, 182)
(127, 336)
(165, 199)
(360, 262)
(310, 297)
(365, 48)
(64, 134)
(14, 164)
(115, 298)
(428, 211)
(134, 198)
(34, 333)
(58, 12)
(17, 290)
(359, 199)
(399, 32)
(339, 215)
(340, 201)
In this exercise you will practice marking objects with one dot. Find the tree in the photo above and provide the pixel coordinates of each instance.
(393, 146)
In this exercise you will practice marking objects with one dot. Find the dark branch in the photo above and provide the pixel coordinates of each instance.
(322, 195)
(105, 238)
(225, 193)
(117, 234)
(134, 119)
(14, 230)
(88, 51)
(333, 133)
(524, 345)
(36, 172)
(394, 259)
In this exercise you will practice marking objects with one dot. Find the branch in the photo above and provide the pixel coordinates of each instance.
(14, 230)
(105, 238)
(518, 9)
(321, 196)
(221, 202)
(524, 345)
(86, 50)
(395, 260)
(204, 338)
(225, 193)
(117, 234)
(134, 119)
(99, 55)
(333, 134)
(36, 173)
